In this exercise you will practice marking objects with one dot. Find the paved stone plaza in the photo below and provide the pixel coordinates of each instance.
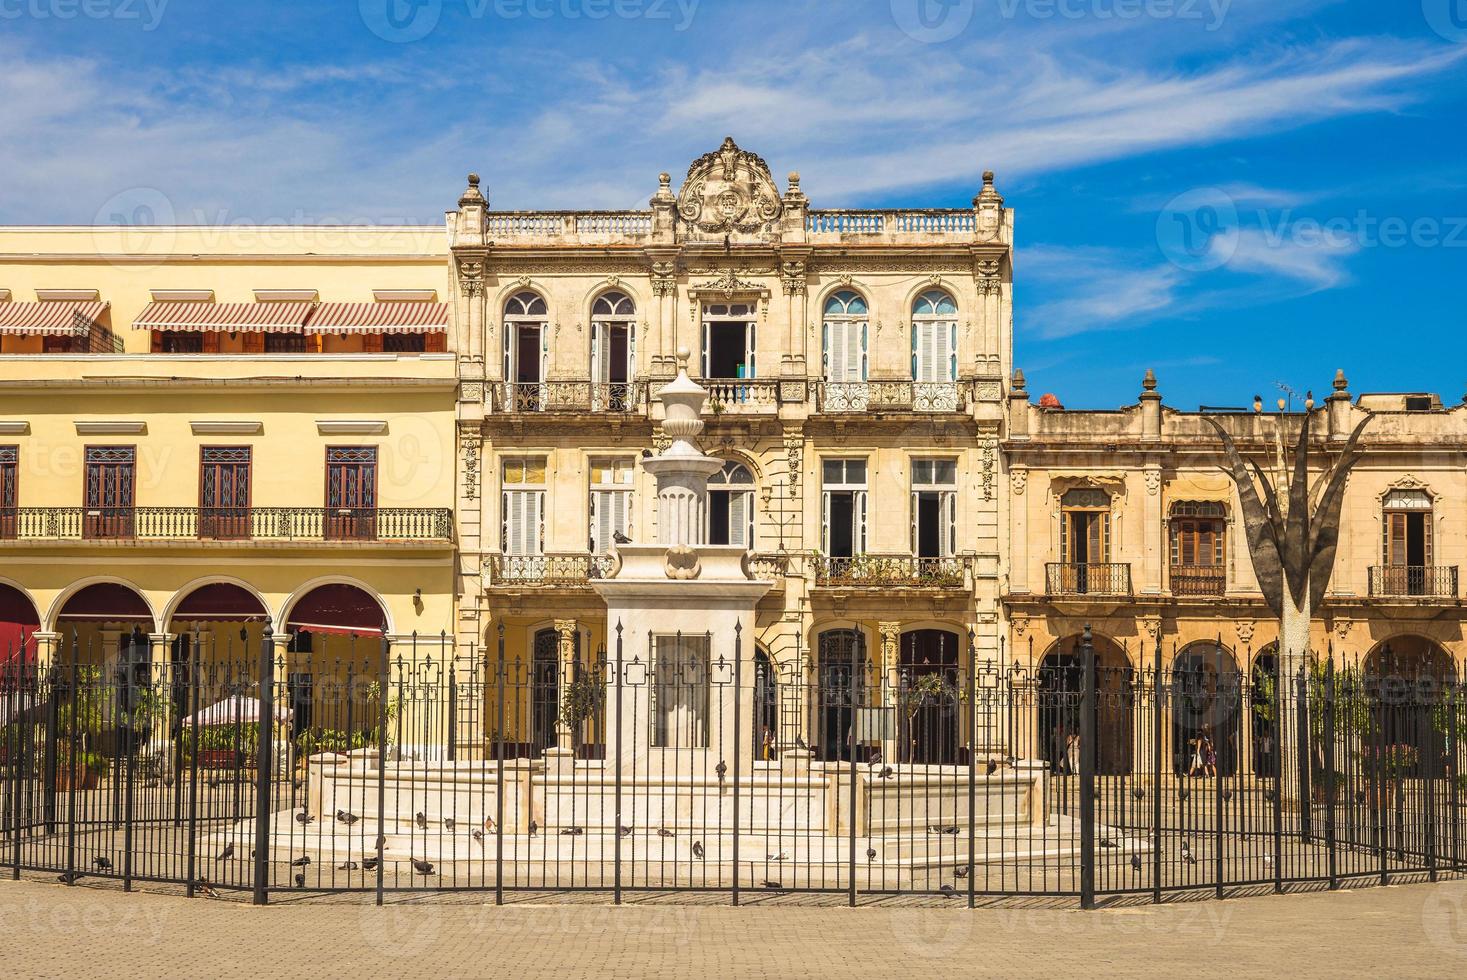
(52, 931)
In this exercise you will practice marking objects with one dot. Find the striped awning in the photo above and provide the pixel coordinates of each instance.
(215, 317)
(392, 317)
(54, 318)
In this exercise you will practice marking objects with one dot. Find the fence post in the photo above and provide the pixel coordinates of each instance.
(50, 762)
(129, 744)
(384, 698)
(1280, 705)
(1454, 705)
(616, 845)
(737, 751)
(1428, 766)
(1303, 756)
(1219, 865)
(502, 674)
(72, 776)
(264, 763)
(449, 665)
(193, 765)
(1331, 784)
(1156, 771)
(855, 688)
(1087, 771)
(972, 729)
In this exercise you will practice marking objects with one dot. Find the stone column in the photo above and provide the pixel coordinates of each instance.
(1154, 529)
(888, 662)
(562, 758)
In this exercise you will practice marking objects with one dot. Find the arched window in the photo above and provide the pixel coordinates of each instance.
(935, 349)
(846, 319)
(731, 506)
(1407, 546)
(1198, 547)
(526, 350)
(613, 351)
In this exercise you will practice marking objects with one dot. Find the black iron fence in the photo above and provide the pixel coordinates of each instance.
(690, 763)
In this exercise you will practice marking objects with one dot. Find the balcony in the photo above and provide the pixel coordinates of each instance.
(574, 397)
(1102, 579)
(1416, 581)
(891, 571)
(144, 524)
(1198, 580)
(548, 570)
(890, 396)
(742, 397)
(831, 226)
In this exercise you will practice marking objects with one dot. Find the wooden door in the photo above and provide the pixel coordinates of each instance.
(110, 481)
(224, 492)
(351, 493)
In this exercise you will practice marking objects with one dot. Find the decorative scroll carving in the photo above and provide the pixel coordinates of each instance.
(729, 190)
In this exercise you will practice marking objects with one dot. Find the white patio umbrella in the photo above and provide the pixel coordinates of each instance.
(237, 709)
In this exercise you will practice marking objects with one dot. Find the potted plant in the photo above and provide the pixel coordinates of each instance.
(583, 698)
(78, 729)
(925, 690)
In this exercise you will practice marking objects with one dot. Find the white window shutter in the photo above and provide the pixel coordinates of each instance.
(949, 524)
(860, 528)
(952, 351)
(621, 514)
(514, 522)
(835, 346)
(749, 347)
(737, 519)
(508, 351)
(825, 522)
(857, 367)
(916, 520)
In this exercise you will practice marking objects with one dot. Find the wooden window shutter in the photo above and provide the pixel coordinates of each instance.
(157, 342)
(211, 342)
(372, 343)
(435, 343)
(314, 343)
(254, 343)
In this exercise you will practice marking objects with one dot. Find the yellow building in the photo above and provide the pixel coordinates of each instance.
(207, 431)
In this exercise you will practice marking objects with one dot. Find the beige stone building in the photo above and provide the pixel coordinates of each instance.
(855, 362)
(1127, 522)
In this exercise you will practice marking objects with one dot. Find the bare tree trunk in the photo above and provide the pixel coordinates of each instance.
(1292, 726)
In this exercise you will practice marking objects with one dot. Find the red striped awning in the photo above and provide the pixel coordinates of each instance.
(54, 318)
(215, 317)
(398, 316)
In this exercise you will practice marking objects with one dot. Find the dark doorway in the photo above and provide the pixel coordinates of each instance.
(1060, 686)
(929, 524)
(1206, 705)
(927, 693)
(842, 516)
(842, 663)
(728, 350)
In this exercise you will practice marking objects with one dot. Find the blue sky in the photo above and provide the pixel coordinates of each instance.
(1236, 193)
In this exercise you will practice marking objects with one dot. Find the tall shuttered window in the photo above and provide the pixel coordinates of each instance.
(611, 502)
(523, 506)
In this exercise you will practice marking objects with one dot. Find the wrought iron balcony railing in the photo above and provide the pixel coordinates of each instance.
(1427, 581)
(891, 571)
(891, 396)
(1199, 580)
(553, 569)
(227, 524)
(1099, 579)
(569, 396)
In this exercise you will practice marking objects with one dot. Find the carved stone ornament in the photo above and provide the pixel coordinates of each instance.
(471, 276)
(1020, 480)
(1245, 630)
(683, 563)
(729, 190)
(1153, 482)
(729, 284)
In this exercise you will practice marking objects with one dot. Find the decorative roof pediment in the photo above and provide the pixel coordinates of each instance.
(729, 191)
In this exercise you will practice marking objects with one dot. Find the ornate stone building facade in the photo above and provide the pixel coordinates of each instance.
(855, 361)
